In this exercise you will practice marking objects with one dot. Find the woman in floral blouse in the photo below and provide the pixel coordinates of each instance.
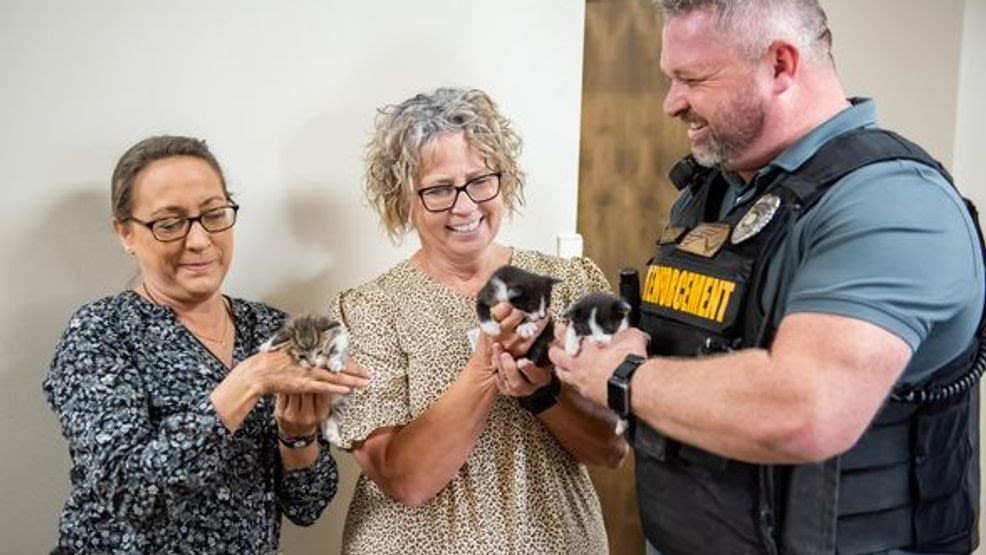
(177, 445)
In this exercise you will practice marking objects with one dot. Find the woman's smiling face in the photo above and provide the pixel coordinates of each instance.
(466, 230)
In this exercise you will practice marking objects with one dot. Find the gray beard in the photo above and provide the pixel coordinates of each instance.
(743, 125)
(714, 156)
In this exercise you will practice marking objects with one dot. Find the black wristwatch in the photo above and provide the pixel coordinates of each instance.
(542, 399)
(618, 386)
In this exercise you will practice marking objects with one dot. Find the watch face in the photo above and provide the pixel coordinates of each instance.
(618, 386)
(618, 397)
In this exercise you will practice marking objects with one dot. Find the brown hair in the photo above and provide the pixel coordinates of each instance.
(142, 154)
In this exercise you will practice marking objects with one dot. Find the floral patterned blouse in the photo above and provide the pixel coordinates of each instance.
(154, 470)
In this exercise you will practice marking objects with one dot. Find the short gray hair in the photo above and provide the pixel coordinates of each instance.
(754, 24)
(393, 157)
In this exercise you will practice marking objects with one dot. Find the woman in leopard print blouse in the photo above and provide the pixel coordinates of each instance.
(451, 461)
(165, 405)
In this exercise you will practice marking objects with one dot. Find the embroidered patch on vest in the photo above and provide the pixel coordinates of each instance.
(689, 292)
(671, 234)
(756, 218)
(705, 240)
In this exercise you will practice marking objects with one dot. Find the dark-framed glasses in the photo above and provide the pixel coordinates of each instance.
(440, 198)
(174, 228)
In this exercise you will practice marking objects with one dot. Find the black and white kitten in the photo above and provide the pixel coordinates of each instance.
(526, 291)
(315, 341)
(596, 317)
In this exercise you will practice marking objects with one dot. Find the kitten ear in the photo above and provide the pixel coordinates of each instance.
(554, 281)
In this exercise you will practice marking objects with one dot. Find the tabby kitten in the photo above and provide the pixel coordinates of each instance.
(528, 292)
(315, 341)
(596, 317)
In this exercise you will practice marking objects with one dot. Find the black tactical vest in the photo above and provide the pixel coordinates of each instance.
(911, 481)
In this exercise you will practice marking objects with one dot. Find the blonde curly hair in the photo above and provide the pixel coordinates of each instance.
(402, 131)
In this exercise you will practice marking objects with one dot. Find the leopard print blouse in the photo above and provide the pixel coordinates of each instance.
(519, 491)
(154, 470)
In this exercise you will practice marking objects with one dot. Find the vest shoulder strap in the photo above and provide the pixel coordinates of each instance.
(849, 152)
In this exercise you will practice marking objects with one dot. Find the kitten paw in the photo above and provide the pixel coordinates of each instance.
(330, 431)
(527, 330)
(573, 343)
(490, 328)
(336, 364)
(601, 339)
(621, 426)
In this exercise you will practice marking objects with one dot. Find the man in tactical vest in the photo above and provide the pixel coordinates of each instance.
(811, 315)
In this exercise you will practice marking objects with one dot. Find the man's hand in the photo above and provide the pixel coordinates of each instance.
(588, 372)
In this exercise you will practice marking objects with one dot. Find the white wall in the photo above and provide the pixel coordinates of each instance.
(970, 143)
(285, 93)
(970, 132)
(905, 53)
(925, 63)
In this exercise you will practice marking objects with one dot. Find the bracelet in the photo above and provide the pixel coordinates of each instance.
(542, 399)
(296, 442)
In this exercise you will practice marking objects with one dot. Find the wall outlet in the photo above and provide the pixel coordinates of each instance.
(569, 245)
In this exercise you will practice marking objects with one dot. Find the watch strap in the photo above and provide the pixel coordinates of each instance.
(296, 442)
(542, 399)
(618, 386)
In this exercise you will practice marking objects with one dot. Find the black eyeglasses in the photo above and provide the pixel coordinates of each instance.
(443, 197)
(174, 228)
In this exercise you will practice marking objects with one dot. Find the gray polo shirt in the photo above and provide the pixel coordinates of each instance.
(891, 244)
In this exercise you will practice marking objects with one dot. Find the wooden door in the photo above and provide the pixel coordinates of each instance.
(628, 147)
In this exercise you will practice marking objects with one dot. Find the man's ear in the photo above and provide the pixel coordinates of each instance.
(785, 60)
(125, 233)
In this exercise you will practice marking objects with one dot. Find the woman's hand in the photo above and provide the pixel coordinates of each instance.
(510, 319)
(517, 377)
(300, 414)
(276, 372)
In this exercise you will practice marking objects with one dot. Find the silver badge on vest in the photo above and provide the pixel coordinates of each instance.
(756, 218)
